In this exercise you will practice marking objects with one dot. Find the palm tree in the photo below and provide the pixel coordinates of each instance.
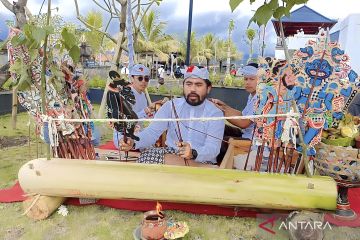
(195, 53)
(230, 30)
(207, 47)
(250, 35)
(222, 52)
(152, 38)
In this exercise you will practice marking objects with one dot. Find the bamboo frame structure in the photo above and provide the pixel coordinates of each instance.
(116, 180)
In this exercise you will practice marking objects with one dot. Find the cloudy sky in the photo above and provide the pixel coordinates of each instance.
(208, 16)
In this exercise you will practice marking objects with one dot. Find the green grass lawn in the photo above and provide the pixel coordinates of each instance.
(97, 222)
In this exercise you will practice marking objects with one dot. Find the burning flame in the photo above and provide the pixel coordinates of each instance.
(159, 209)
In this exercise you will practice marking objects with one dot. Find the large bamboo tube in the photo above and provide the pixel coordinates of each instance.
(115, 180)
(41, 207)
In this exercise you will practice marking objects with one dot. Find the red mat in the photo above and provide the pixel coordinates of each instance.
(108, 146)
(354, 199)
(15, 194)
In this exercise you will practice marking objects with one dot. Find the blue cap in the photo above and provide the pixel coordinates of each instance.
(139, 70)
(196, 72)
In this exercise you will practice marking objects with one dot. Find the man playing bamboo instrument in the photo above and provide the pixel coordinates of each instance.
(195, 141)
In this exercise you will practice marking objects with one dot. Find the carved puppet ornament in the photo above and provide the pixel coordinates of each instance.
(275, 92)
(326, 85)
(320, 80)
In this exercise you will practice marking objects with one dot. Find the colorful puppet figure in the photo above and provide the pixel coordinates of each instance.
(326, 86)
(275, 95)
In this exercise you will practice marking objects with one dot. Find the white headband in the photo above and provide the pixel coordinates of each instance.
(249, 71)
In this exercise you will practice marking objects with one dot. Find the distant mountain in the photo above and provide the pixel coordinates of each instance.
(4, 30)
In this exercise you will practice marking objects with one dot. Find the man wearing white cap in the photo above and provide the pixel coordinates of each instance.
(250, 79)
(140, 80)
(201, 140)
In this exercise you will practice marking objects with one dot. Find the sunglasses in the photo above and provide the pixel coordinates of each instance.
(146, 78)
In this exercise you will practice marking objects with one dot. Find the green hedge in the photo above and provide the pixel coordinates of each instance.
(97, 82)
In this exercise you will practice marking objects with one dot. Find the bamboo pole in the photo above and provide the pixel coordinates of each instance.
(115, 180)
(43, 70)
(41, 207)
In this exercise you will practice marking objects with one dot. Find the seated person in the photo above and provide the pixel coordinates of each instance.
(198, 142)
(140, 80)
(247, 126)
(140, 76)
(251, 79)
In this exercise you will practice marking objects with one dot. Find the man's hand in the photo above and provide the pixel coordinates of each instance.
(126, 146)
(152, 107)
(219, 104)
(184, 150)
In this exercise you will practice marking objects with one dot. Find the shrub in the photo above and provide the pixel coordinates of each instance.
(163, 90)
(238, 82)
(152, 90)
(8, 84)
(97, 82)
(228, 80)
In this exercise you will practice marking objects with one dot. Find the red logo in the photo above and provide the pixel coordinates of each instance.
(141, 69)
(190, 69)
(270, 220)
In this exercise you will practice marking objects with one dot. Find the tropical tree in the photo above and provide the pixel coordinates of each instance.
(194, 50)
(93, 37)
(230, 30)
(250, 36)
(118, 10)
(207, 47)
(222, 51)
(153, 39)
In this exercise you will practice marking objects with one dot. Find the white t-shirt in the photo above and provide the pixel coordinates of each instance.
(124, 70)
(141, 103)
(161, 72)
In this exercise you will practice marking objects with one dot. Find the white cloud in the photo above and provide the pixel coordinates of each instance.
(329, 8)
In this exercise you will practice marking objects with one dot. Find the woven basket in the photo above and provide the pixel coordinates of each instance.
(340, 163)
